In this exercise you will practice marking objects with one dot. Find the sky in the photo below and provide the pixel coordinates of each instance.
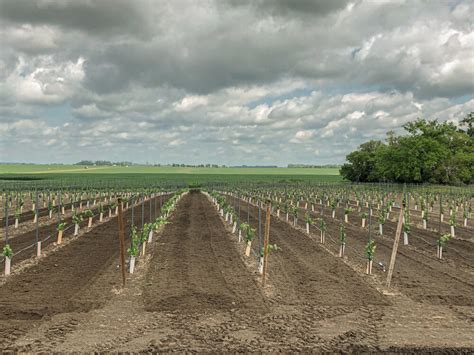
(267, 82)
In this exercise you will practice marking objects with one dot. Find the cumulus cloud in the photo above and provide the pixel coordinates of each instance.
(302, 136)
(42, 80)
(229, 82)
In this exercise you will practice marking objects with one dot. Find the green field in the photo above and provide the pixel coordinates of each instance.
(143, 169)
(30, 176)
(23, 176)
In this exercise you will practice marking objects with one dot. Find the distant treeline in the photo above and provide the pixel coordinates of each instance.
(128, 163)
(195, 166)
(313, 166)
(254, 166)
(174, 165)
(104, 163)
(219, 166)
(430, 152)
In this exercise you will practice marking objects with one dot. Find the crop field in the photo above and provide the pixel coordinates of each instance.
(32, 169)
(201, 275)
(24, 176)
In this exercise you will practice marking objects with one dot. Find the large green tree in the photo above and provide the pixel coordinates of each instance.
(431, 152)
(361, 167)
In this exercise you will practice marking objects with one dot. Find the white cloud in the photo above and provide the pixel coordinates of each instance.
(190, 102)
(302, 136)
(228, 82)
(46, 82)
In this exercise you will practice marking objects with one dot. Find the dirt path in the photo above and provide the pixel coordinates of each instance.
(196, 268)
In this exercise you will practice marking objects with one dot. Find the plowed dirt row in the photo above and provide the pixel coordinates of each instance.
(195, 267)
(75, 278)
(26, 242)
(304, 273)
(28, 215)
(418, 274)
(27, 224)
(433, 216)
(464, 235)
(21, 242)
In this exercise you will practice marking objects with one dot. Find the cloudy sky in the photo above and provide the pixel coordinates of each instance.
(225, 81)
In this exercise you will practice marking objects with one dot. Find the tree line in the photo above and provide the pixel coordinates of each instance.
(430, 152)
(104, 163)
(335, 166)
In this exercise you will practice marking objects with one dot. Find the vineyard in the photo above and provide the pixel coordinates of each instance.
(237, 176)
(229, 264)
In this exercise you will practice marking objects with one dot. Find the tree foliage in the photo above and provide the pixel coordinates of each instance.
(430, 152)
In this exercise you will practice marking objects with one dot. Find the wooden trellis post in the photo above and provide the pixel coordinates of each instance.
(265, 244)
(122, 239)
(395, 247)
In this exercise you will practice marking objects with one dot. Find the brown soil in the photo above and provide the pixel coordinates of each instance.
(194, 268)
(418, 273)
(458, 250)
(76, 278)
(26, 242)
(433, 225)
(29, 225)
(24, 245)
(299, 279)
(28, 214)
(198, 293)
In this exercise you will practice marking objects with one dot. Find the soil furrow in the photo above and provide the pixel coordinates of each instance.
(76, 278)
(304, 273)
(196, 268)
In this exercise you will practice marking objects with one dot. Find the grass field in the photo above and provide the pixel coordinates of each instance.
(24, 175)
(139, 169)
